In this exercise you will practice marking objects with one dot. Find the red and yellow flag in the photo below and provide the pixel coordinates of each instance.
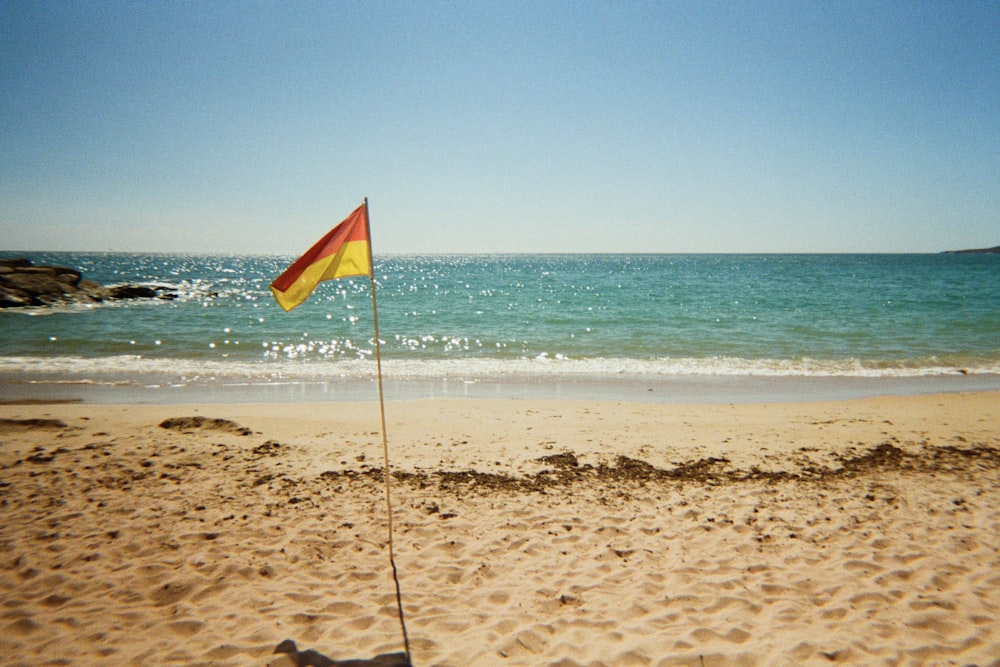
(344, 251)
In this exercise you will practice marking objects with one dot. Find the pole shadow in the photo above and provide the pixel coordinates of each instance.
(313, 658)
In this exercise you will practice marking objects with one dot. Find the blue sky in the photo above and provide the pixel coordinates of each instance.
(501, 127)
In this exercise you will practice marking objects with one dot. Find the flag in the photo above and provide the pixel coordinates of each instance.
(344, 251)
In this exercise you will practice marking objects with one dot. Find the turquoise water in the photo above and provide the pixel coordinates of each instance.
(519, 319)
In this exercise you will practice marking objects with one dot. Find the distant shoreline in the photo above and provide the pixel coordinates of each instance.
(995, 250)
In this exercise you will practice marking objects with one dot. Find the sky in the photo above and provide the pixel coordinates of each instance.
(490, 127)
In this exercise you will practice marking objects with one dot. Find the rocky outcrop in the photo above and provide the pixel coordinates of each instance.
(23, 284)
(995, 250)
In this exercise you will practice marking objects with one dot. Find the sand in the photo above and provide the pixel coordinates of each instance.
(861, 532)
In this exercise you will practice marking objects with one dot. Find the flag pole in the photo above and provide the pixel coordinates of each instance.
(385, 442)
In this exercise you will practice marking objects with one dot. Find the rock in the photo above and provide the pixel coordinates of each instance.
(11, 264)
(995, 250)
(140, 292)
(37, 286)
(23, 284)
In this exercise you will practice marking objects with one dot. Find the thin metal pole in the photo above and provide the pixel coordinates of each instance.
(385, 442)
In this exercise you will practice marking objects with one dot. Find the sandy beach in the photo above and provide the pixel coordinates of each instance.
(863, 532)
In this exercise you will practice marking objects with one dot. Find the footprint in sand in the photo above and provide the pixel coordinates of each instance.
(169, 593)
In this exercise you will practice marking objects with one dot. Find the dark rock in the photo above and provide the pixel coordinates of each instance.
(15, 263)
(140, 292)
(37, 286)
(131, 292)
(22, 284)
(995, 250)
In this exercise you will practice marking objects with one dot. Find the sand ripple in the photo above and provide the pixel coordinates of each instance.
(208, 543)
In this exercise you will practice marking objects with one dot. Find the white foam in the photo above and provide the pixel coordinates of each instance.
(144, 371)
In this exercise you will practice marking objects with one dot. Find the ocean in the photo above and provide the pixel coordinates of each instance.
(685, 328)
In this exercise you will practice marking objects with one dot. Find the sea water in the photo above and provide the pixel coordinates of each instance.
(647, 327)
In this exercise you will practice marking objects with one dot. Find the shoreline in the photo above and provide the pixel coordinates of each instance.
(683, 389)
(527, 532)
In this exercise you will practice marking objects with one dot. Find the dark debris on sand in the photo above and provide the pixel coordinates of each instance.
(204, 423)
(566, 470)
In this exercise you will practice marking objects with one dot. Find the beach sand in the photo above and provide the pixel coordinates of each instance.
(861, 532)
